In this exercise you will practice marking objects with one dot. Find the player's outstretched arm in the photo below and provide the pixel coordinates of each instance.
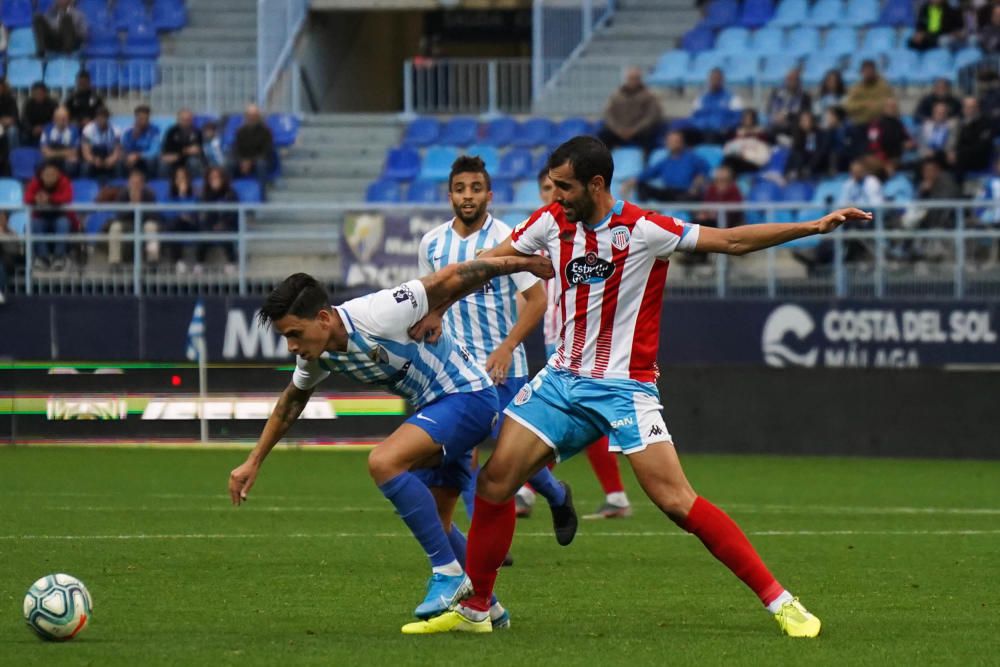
(288, 408)
(748, 238)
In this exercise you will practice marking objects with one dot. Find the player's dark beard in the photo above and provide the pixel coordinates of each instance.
(582, 209)
(470, 220)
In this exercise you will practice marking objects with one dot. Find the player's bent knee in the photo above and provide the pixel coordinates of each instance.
(382, 465)
(494, 486)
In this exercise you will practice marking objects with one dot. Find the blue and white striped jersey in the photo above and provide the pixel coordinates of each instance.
(381, 352)
(482, 320)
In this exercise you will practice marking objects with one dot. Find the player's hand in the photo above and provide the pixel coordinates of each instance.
(541, 267)
(498, 364)
(428, 329)
(830, 222)
(241, 480)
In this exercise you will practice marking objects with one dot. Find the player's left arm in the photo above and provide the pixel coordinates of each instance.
(528, 317)
(749, 238)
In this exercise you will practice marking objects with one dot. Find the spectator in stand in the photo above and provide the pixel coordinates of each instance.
(941, 92)
(62, 29)
(938, 23)
(831, 92)
(9, 116)
(990, 193)
(837, 142)
(749, 149)
(862, 188)
(48, 193)
(253, 149)
(632, 115)
(936, 183)
(722, 190)
(182, 146)
(185, 222)
(989, 34)
(218, 190)
(787, 102)
(211, 142)
(61, 143)
(866, 98)
(805, 161)
(716, 111)
(938, 135)
(679, 176)
(83, 101)
(988, 84)
(37, 114)
(101, 148)
(886, 137)
(975, 140)
(141, 143)
(135, 192)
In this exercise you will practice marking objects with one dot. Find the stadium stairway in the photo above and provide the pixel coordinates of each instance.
(216, 29)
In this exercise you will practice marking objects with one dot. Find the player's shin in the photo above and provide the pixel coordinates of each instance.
(490, 537)
(415, 505)
(546, 485)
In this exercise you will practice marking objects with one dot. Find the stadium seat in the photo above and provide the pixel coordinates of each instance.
(21, 43)
(437, 163)
(459, 132)
(138, 74)
(798, 191)
(710, 153)
(756, 13)
(499, 132)
(817, 64)
(402, 164)
(802, 41)
(861, 13)
(840, 41)
(169, 16)
(721, 14)
(422, 132)
(902, 66)
(526, 192)
(230, 127)
(763, 191)
(102, 42)
(934, 64)
(384, 191)
(141, 41)
(697, 40)
(568, 128)
(122, 121)
(879, 40)
(22, 72)
(670, 69)
(899, 188)
(702, 64)
(657, 155)
(284, 128)
(773, 69)
(628, 162)
(533, 132)
(24, 161)
(516, 164)
(425, 192)
(733, 41)
(160, 187)
(825, 13)
(201, 119)
(97, 221)
(128, 13)
(162, 122)
(767, 41)
(488, 154)
(897, 13)
(16, 14)
(828, 190)
(966, 57)
(18, 222)
(540, 161)
(61, 73)
(85, 190)
(247, 190)
(741, 69)
(503, 192)
(11, 191)
(790, 13)
(779, 157)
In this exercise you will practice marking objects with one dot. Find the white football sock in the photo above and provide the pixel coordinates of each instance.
(496, 611)
(775, 605)
(473, 614)
(527, 495)
(618, 498)
(452, 569)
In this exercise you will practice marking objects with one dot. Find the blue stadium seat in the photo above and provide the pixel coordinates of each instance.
(384, 191)
(102, 42)
(540, 161)
(160, 187)
(568, 128)
(21, 43)
(698, 39)
(768, 41)
(710, 153)
(897, 13)
(899, 189)
(437, 163)
(122, 121)
(741, 69)
(141, 41)
(861, 13)
(97, 13)
(879, 40)
(230, 127)
(516, 164)
(18, 222)
(425, 192)
(11, 191)
(138, 74)
(966, 57)
(488, 154)
(526, 192)
(22, 72)
(97, 221)
(128, 13)
(459, 132)
(202, 119)
(902, 66)
(162, 122)
(828, 190)
(503, 192)
(763, 191)
(42, 6)
(85, 190)
(499, 132)
(817, 64)
(284, 128)
(103, 73)
(628, 162)
(61, 72)
(670, 69)
(825, 13)
(534, 132)
(802, 41)
(422, 132)
(16, 14)
(402, 164)
(790, 13)
(798, 191)
(779, 157)
(756, 13)
(24, 161)
(169, 15)
(935, 64)
(721, 14)
(773, 69)
(247, 190)
(657, 155)
(702, 64)
(841, 41)
(732, 41)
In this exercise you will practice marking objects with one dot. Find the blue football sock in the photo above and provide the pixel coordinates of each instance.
(469, 494)
(546, 485)
(415, 505)
(457, 540)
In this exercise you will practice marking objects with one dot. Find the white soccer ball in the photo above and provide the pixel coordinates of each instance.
(57, 607)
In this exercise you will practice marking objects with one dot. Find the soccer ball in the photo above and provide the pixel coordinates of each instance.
(57, 607)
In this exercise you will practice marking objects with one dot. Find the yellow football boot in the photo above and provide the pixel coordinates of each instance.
(796, 621)
(450, 621)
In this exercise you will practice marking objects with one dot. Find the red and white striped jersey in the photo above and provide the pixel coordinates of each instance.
(611, 285)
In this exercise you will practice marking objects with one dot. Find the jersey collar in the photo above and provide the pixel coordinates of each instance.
(615, 210)
(485, 227)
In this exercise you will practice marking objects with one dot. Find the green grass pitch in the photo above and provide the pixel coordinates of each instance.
(899, 558)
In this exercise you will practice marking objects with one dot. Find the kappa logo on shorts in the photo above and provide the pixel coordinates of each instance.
(620, 238)
(656, 430)
(523, 395)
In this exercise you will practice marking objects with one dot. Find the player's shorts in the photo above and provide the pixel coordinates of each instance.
(570, 412)
(457, 422)
(506, 393)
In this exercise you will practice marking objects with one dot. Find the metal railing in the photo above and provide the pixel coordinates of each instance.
(278, 25)
(467, 85)
(885, 259)
(560, 30)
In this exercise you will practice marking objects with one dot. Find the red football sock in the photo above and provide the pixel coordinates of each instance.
(605, 466)
(726, 541)
(490, 536)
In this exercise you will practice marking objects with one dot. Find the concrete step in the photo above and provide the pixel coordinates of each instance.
(659, 17)
(217, 31)
(210, 50)
(339, 192)
(316, 151)
(346, 135)
(353, 120)
(326, 168)
(209, 14)
(631, 48)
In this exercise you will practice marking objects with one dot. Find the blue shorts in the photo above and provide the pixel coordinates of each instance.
(569, 412)
(506, 393)
(457, 422)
